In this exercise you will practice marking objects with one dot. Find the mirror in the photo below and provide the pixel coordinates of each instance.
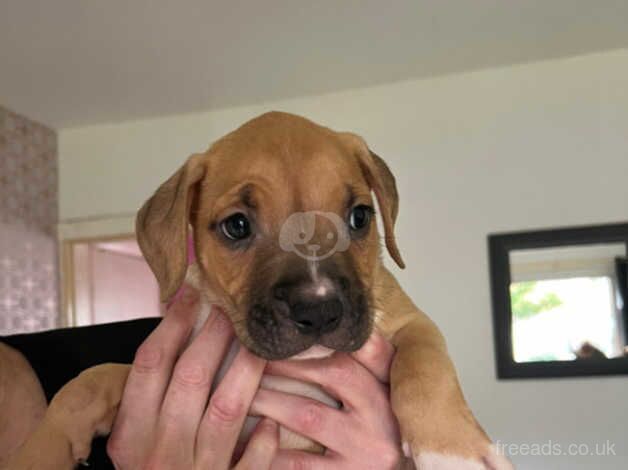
(560, 301)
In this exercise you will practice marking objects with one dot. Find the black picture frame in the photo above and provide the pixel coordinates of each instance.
(499, 246)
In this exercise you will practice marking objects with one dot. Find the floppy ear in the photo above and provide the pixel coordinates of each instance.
(383, 184)
(162, 223)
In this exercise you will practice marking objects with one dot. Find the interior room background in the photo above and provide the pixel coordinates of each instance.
(534, 145)
(541, 144)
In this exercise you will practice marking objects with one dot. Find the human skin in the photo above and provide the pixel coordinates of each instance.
(166, 421)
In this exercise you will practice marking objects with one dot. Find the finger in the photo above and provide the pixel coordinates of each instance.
(330, 427)
(191, 382)
(340, 375)
(376, 355)
(262, 446)
(151, 369)
(290, 459)
(221, 424)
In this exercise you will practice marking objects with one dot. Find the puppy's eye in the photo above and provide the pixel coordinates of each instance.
(360, 217)
(236, 227)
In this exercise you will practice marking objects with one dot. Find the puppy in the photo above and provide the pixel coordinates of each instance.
(282, 217)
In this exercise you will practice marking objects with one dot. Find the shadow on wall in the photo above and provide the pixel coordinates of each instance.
(28, 218)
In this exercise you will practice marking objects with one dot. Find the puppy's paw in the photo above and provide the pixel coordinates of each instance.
(86, 406)
(443, 435)
(430, 460)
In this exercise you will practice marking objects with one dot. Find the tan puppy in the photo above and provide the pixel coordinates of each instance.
(281, 213)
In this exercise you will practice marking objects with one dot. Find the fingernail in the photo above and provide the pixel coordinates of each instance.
(405, 447)
(219, 320)
(174, 299)
(190, 295)
(269, 425)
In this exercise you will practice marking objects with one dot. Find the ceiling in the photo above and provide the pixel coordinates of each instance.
(73, 62)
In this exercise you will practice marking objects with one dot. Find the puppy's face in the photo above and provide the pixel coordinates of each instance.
(284, 233)
(289, 238)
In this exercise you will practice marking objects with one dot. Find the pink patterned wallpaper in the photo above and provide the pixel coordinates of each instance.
(28, 217)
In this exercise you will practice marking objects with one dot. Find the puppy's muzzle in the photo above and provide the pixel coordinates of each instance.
(294, 306)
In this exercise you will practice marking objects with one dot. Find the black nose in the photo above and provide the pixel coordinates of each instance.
(316, 318)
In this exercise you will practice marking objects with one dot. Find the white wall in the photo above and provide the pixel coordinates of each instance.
(537, 145)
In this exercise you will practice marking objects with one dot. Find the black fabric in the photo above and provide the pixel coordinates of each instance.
(57, 356)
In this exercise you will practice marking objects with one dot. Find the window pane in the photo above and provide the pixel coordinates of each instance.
(564, 319)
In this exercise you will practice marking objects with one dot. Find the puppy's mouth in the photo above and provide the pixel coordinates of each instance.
(304, 310)
(275, 334)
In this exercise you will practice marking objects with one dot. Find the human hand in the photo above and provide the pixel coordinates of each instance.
(165, 420)
(363, 434)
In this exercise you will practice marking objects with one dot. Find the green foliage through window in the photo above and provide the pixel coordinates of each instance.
(523, 307)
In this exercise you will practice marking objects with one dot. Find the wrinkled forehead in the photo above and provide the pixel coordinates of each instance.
(289, 176)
